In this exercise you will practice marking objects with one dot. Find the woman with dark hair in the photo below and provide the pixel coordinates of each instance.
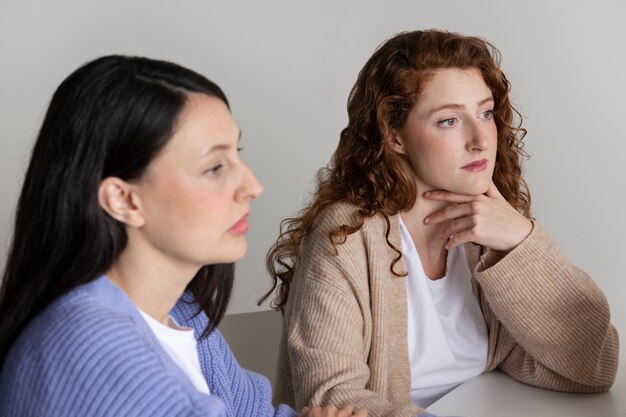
(417, 264)
(132, 213)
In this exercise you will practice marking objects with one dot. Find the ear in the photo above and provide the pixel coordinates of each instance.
(119, 200)
(395, 142)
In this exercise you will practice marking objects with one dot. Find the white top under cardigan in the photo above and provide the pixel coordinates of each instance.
(181, 346)
(447, 334)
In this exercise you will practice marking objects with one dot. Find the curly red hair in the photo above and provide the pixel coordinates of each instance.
(365, 172)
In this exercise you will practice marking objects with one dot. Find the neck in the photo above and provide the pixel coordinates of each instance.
(430, 247)
(152, 283)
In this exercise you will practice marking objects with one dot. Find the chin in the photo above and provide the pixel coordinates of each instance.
(226, 254)
(482, 190)
(473, 191)
(235, 254)
(477, 188)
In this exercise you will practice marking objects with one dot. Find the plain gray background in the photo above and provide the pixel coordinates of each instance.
(287, 68)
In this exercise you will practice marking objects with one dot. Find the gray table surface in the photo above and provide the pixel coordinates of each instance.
(495, 394)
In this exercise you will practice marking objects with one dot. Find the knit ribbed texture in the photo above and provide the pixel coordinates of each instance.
(244, 393)
(345, 325)
(91, 354)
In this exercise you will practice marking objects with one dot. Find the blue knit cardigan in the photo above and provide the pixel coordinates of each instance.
(90, 353)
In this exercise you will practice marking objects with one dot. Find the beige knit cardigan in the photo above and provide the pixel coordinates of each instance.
(345, 326)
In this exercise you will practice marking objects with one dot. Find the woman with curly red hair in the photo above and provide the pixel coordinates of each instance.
(417, 264)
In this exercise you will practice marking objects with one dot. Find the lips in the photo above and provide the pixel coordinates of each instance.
(241, 226)
(476, 166)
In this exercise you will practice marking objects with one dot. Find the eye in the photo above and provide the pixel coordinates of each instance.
(487, 115)
(447, 122)
(214, 170)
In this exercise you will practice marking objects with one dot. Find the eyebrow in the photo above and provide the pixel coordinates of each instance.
(457, 106)
(219, 147)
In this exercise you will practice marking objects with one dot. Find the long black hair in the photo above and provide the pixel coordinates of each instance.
(110, 117)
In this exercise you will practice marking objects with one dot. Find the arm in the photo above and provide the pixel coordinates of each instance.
(551, 321)
(548, 319)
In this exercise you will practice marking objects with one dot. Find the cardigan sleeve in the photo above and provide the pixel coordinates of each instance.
(328, 332)
(245, 393)
(550, 321)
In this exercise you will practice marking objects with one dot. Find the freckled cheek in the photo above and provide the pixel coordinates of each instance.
(436, 155)
(493, 134)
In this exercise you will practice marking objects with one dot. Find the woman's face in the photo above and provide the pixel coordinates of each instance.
(450, 137)
(195, 194)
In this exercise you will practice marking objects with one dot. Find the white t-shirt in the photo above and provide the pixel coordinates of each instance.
(181, 346)
(447, 334)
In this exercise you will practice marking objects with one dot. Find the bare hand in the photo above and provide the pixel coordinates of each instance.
(332, 411)
(487, 220)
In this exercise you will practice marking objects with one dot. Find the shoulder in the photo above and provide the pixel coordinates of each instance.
(75, 316)
(74, 331)
(80, 354)
(336, 215)
(344, 214)
(325, 253)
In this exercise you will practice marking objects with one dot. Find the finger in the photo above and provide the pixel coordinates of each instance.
(329, 410)
(457, 226)
(493, 192)
(361, 412)
(442, 195)
(448, 213)
(346, 410)
(460, 238)
(315, 411)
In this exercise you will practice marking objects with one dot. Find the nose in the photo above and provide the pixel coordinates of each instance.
(478, 136)
(250, 187)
